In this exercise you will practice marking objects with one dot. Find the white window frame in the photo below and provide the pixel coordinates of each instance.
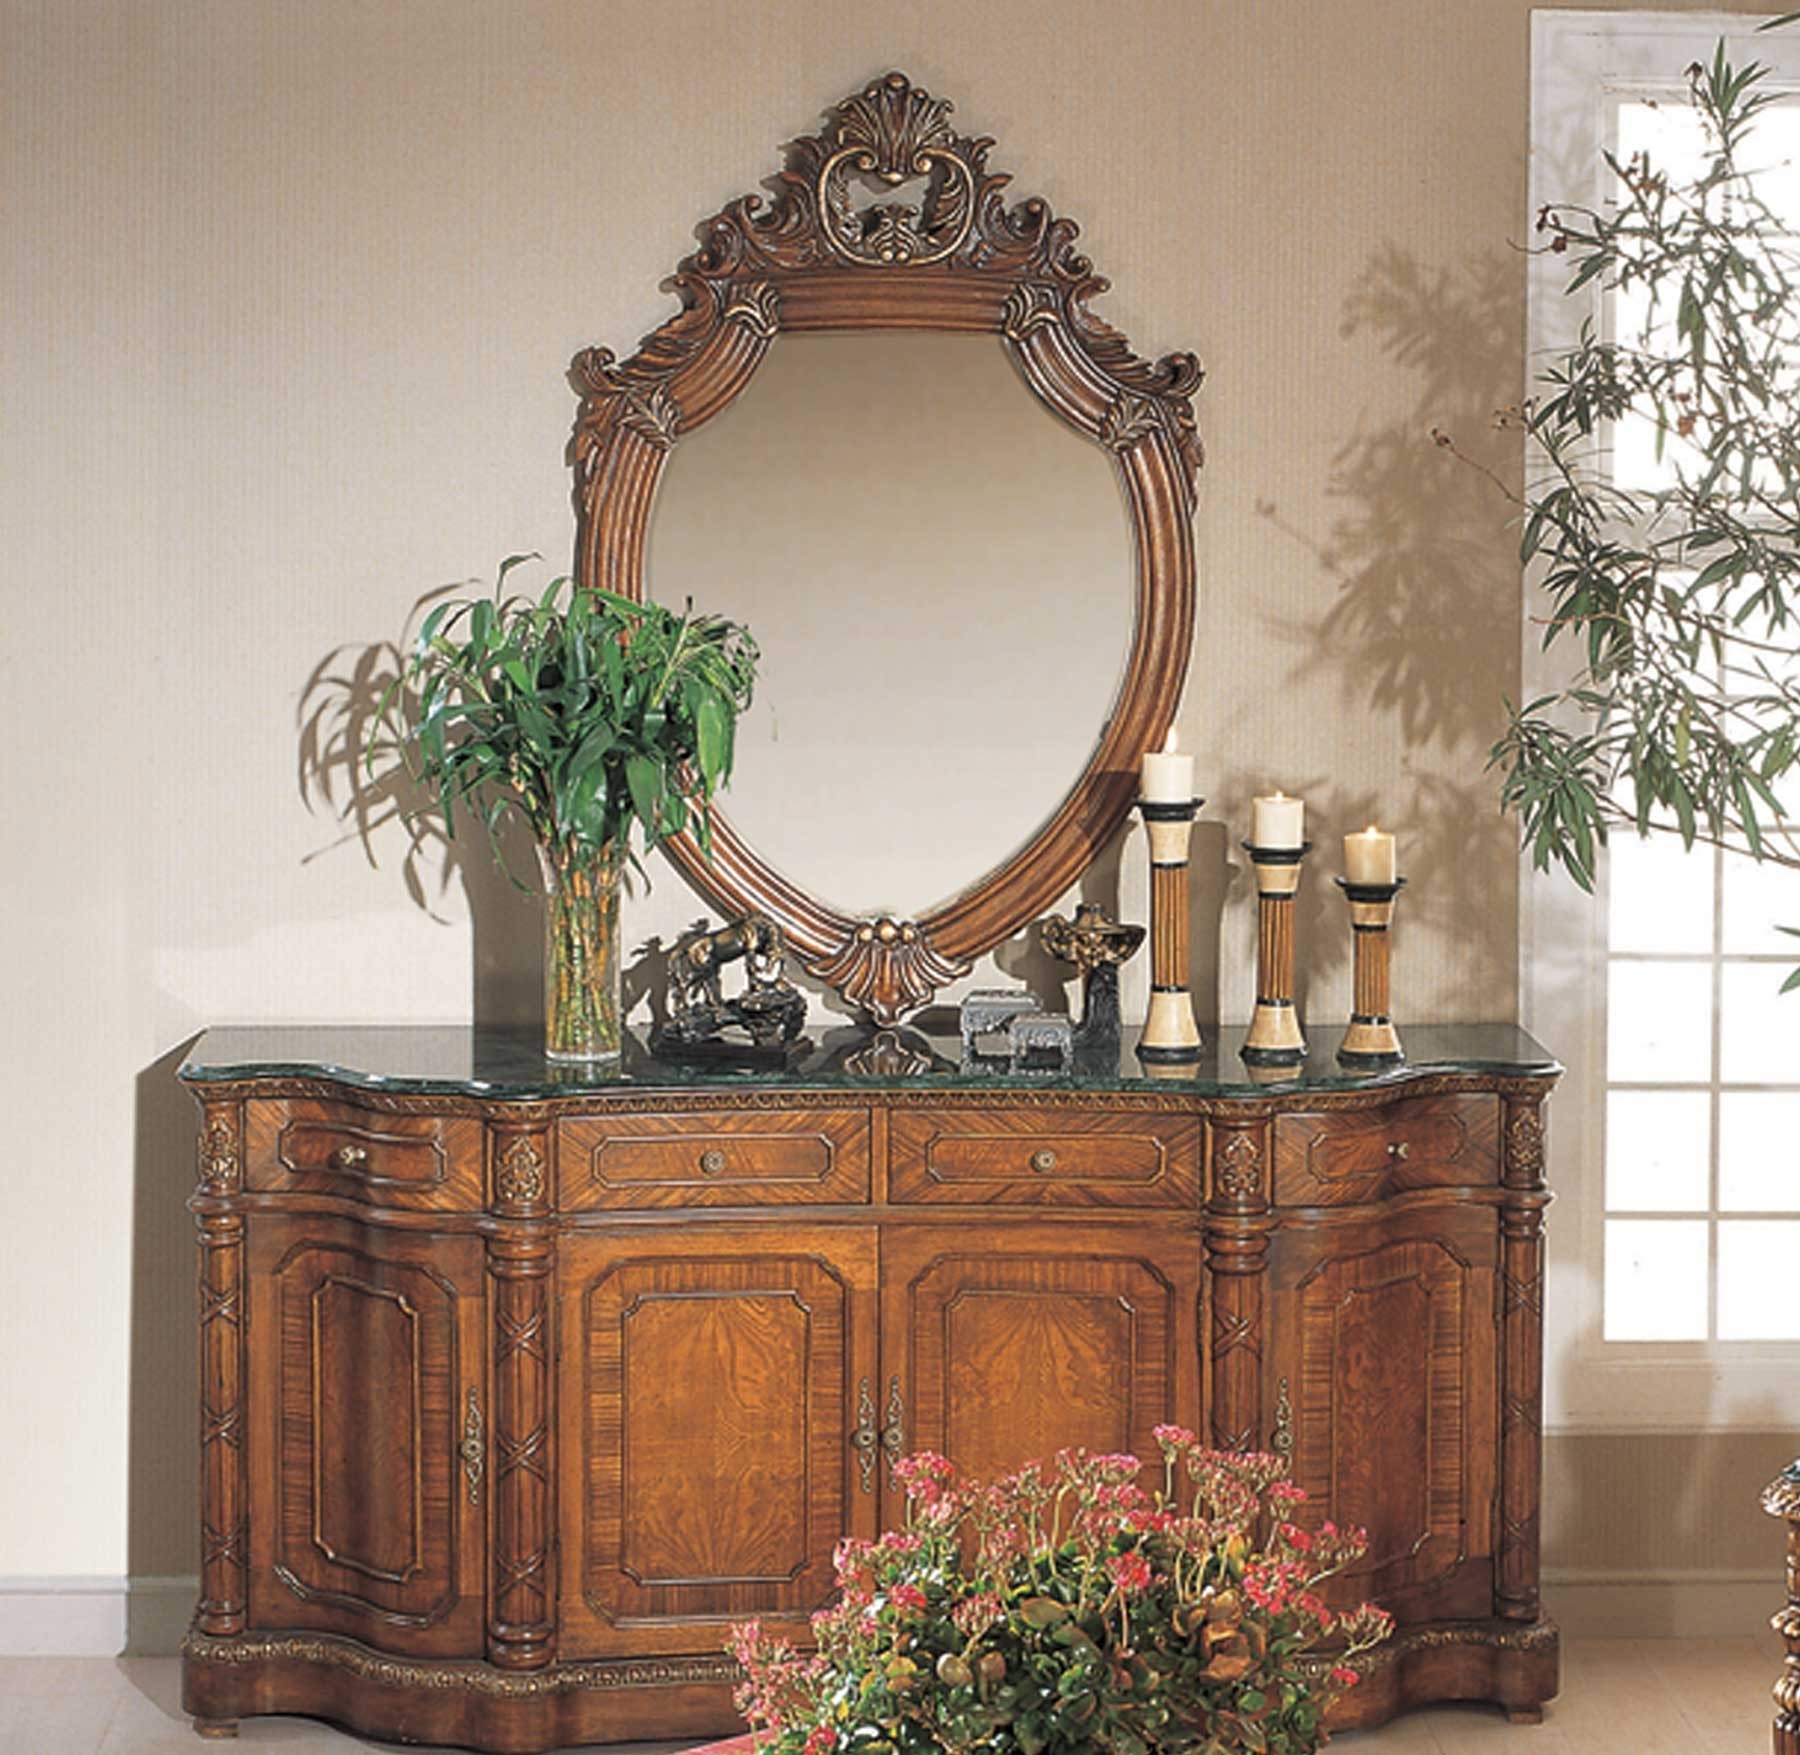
(1581, 64)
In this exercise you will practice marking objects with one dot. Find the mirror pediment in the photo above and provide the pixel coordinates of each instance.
(889, 219)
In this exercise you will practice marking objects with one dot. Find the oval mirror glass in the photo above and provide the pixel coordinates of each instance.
(940, 575)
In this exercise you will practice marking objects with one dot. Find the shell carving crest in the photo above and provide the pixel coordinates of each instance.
(895, 133)
(888, 966)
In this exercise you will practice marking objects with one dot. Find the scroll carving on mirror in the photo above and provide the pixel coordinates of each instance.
(891, 219)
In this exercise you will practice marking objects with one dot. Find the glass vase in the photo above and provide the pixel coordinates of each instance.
(581, 952)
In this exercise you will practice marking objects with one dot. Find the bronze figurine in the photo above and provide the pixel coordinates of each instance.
(1096, 944)
(770, 1010)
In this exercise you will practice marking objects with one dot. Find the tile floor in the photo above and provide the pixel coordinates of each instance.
(1620, 1697)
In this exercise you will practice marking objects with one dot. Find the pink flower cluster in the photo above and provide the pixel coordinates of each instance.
(932, 1618)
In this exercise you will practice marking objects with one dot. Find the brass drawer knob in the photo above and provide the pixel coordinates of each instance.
(1044, 1161)
(1397, 1150)
(350, 1157)
(712, 1161)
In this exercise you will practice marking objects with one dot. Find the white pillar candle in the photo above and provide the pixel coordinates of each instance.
(1277, 822)
(1165, 776)
(1369, 858)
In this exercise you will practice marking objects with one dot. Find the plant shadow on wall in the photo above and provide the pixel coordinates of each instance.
(337, 711)
(1424, 626)
(340, 713)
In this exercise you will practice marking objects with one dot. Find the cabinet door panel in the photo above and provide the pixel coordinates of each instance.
(715, 1379)
(369, 1346)
(1384, 1363)
(1007, 1345)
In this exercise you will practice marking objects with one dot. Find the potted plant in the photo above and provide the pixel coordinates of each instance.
(1679, 595)
(1065, 1609)
(587, 715)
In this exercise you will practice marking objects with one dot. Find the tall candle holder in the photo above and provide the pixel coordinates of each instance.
(1171, 1035)
(1274, 1038)
(1371, 1040)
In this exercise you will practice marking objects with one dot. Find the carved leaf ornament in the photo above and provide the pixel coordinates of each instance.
(890, 218)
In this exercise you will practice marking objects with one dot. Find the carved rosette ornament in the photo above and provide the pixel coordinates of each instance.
(889, 217)
(1525, 1146)
(219, 1169)
(520, 1177)
(1240, 1167)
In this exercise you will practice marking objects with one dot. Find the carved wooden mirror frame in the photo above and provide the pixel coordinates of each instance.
(960, 261)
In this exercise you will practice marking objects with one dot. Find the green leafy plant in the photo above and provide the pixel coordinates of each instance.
(582, 711)
(1681, 598)
(1064, 1609)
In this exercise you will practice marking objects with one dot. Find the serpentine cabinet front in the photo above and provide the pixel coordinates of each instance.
(513, 1399)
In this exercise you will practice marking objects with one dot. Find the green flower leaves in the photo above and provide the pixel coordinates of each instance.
(585, 712)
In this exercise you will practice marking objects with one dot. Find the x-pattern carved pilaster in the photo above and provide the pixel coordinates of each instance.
(1517, 1413)
(221, 1426)
(223, 1544)
(1521, 1295)
(221, 1304)
(1233, 1330)
(528, 1453)
(520, 1334)
(522, 1572)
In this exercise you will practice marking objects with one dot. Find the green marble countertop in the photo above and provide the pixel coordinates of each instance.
(458, 1060)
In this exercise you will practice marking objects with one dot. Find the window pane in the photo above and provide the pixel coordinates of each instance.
(1655, 1280)
(1659, 1023)
(1758, 1300)
(1760, 1029)
(1660, 895)
(1759, 898)
(1759, 1151)
(1656, 1151)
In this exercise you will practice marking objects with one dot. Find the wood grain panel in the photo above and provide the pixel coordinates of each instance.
(1010, 1346)
(764, 1158)
(1044, 1157)
(1350, 1156)
(362, 1522)
(301, 1145)
(715, 1376)
(1384, 1353)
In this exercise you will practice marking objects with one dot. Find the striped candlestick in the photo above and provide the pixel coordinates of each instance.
(1274, 1037)
(1371, 1040)
(1171, 1036)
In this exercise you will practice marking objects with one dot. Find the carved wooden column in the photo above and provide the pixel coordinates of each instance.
(1237, 1230)
(1524, 1198)
(224, 1508)
(1781, 1498)
(521, 1624)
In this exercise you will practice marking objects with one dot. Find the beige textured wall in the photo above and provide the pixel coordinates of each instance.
(288, 291)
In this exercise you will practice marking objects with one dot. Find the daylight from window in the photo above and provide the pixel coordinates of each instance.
(1702, 1108)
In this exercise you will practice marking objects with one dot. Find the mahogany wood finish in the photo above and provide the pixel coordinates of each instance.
(960, 260)
(499, 1470)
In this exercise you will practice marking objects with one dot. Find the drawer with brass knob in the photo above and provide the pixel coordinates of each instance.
(1348, 1156)
(1044, 1156)
(773, 1157)
(300, 1145)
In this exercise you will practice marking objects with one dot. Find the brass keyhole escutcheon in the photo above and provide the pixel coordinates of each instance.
(712, 1162)
(350, 1157)
(1043, 1161)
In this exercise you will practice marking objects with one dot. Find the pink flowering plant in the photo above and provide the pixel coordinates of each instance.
(1064, 1609)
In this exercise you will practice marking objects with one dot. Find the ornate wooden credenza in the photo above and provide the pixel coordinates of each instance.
(517, 1387)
